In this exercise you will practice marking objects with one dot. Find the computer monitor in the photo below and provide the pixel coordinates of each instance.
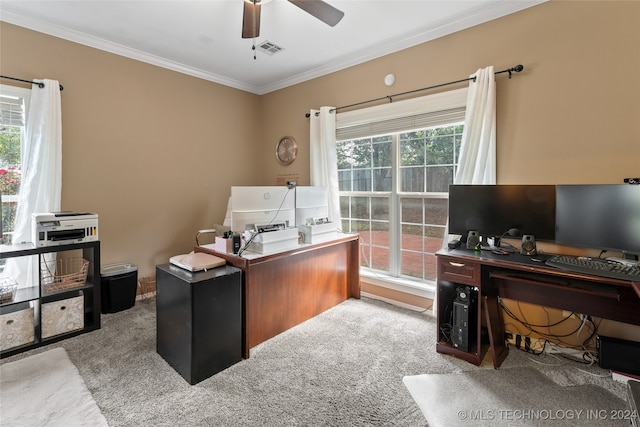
(261, 205)
(599, 216)
(492, 210)
(312, 203)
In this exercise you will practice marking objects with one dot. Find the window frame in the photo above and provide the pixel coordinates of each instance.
(25, 94)
(394, 115)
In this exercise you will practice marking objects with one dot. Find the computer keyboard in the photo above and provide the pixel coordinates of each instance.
(595, 266)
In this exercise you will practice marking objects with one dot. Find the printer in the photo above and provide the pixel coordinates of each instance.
(60, 228)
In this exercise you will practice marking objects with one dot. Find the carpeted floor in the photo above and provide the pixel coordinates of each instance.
(342, 368)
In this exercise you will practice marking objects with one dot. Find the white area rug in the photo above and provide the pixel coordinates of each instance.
(492, 397)
(46, 390)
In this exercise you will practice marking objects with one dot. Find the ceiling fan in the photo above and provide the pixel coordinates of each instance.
(317, 8)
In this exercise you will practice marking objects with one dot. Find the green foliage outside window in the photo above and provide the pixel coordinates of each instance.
(10, 175)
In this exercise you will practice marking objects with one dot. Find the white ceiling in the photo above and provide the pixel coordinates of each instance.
(203, 38)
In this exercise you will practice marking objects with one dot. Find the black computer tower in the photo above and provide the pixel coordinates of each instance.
(463, 334)
(618, 354)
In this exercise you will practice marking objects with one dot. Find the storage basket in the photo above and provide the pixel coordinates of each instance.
(61, 317)
(146, 287)
(16, 328)
(8, 288)
(66, 273)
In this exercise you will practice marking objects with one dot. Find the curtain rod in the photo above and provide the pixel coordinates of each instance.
(516, 69)
(40, 84)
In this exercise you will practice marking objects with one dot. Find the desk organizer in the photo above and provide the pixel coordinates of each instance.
(273, 241)
(318, 233)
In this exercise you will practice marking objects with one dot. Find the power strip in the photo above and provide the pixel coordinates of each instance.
(556, 349)
(538, 346)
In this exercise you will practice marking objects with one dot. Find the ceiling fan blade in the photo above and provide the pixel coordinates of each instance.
(251, 20)
(321, 10)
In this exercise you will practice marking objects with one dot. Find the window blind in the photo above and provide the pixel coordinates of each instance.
(417, 113)
(11, 111)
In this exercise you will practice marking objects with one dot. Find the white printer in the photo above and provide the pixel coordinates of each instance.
(59, 228)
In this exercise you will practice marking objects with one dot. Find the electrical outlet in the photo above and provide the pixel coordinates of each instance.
(510, 338)
(525, 343)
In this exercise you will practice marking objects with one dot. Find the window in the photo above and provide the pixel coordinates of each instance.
(13, 106)
(394, 185)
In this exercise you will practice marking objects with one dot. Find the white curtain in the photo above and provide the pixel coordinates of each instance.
(41, 185)
(324, 158)
(477, 162)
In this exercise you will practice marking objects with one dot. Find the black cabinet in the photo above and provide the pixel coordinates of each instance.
(199, 319)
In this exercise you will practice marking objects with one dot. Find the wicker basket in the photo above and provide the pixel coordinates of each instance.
(8, 288)
(146, 287)
(66, 273)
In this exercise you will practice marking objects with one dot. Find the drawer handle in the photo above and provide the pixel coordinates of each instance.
(456, 264)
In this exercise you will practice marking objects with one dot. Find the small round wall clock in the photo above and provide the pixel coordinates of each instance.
(286, 150)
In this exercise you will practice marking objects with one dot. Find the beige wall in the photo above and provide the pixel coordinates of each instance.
(569, 117)
(154, 152)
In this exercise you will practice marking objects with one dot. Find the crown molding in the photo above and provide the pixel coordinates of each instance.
(118, 49)
(485, 14)
(481, 15)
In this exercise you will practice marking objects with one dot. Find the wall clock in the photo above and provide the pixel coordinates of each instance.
(286, 150)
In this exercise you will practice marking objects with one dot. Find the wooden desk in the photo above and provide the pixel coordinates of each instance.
(519, 278)
(284, 289)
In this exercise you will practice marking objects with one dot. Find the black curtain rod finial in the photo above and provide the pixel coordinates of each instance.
(517, 69)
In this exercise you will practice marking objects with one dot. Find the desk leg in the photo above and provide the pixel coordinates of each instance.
(495, 327)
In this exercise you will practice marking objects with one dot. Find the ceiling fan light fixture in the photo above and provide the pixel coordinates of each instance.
(316, 8)
(251, 19)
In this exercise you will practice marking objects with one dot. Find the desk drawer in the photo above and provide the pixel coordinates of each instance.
(458, 271)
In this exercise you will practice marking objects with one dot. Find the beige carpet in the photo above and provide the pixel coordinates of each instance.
(46, 390)
(512, 397)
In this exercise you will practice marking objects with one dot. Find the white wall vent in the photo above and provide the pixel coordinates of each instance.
(268, 48)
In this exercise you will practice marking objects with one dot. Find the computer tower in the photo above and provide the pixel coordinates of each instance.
(463, 334)
(618, 354)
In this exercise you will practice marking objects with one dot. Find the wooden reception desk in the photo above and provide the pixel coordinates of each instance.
(284, 289)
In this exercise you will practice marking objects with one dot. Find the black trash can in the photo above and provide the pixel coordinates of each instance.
(119, 284)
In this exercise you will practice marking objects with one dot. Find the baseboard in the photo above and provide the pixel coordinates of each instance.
(397, 303)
